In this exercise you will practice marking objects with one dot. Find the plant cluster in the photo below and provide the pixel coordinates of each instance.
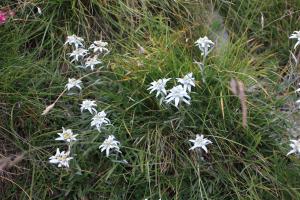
(99, 119)
(177, 94)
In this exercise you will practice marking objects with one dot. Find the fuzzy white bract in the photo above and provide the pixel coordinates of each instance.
(295, 145)
(72, 82)
(178, 94)
(159, 86)
(205, 45)
(61, 158)
(75, 40)
(187, 81)
(67, 135)
(88, 105)
(296, 35)
(100, 120)
(108, 144)
(99, 46)
(91, 62)
(200, 142)
(78, 53)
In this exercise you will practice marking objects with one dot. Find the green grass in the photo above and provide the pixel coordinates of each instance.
(242, 163)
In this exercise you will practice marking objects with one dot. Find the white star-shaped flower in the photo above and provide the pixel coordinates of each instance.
(100, 120)
(67, 135)
(178, 94)
(205, 45)
(88, 105)
(73, 39)
(72, 82)
(200, 142)
(295, 147)
(91, 62)
(99, 46)
(296, 35)
(110, 143)
(61, 158)
(187, 81)
(159, 86)
(78, 53)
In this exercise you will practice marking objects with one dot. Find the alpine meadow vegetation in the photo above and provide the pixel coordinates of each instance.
(150, 99)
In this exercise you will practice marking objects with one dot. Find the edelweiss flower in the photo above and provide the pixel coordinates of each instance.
(88, 105)
(200, 142)
(295, 147)
(296, 35)
(99, 46)
(73, 83)
(178, 93)
(205, 45)
(91, 62)
(110, 143)
(187, 81)
(77, 53)
(73, 39)
(61, 158)
(159, 86)
(66, 135)
(99, 120)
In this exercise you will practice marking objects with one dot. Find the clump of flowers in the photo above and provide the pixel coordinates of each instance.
(63, 158)
(178, 93)
(87, 58)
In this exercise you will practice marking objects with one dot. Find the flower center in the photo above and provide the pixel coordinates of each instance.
(61, 158)
(67, 135)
